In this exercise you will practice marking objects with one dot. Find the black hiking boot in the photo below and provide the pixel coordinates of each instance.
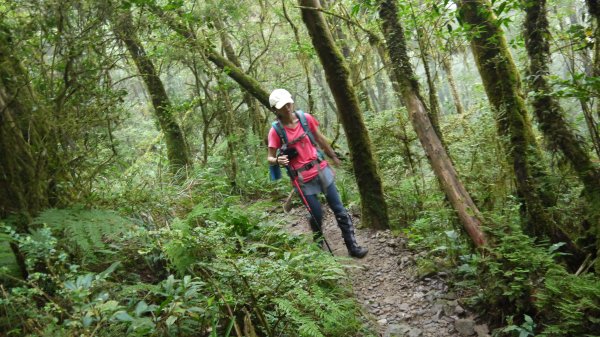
(317, 233)
(345, 223)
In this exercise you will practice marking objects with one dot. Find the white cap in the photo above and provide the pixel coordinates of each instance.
(279, 98)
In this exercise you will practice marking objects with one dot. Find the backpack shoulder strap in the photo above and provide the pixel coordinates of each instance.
(280, 132)
(304, 123)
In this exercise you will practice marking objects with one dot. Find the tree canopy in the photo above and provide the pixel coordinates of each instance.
(134, 189)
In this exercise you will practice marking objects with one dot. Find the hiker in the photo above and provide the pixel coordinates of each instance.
(293, 141)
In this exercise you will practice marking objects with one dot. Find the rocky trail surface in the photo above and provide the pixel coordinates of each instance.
(385, 282)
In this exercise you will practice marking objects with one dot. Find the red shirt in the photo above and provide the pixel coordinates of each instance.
(306, 151)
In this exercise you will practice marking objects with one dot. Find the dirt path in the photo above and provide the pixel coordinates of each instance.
(385, 282)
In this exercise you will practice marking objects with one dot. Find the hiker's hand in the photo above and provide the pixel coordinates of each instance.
(283, 160)
(336, 161)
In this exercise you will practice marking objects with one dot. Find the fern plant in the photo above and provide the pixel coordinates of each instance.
(7, 257)
(570, 304)
(84, 233)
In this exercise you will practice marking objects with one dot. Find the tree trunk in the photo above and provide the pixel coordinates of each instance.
(177, 150)
(27, 146)
(594, 9)
(253, 108)
(585, 103)
(246, 82)
(458, 196)
(303, 58)
(341, 40)
(374, 209)
(434, 105)
(227, 118)
(549, 113)
(502, 85)
(453, 88)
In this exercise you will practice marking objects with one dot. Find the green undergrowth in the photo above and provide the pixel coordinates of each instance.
(218, 264)
(519, 286)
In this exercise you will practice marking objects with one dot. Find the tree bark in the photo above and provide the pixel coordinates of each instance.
(28, 153)
(253, 108)
(549, 112)
(434, 105)
(453, 88)
(341, 40)
(502, 85)
(177, 149)
(402, 71)
(26, 148)
(594, 9)
(238, 75)
(303, 58)
(374, 209)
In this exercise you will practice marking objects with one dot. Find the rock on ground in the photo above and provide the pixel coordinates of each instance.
(399, 302)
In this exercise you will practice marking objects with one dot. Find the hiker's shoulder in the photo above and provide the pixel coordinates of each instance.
(306, 115)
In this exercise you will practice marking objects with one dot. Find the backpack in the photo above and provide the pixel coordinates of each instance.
(302, 118)
(274, 170)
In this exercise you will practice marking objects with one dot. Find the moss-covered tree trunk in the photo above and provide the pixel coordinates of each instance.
(594, 9)
(303, 58)
(403, 73)
(374, 209)
(28, 151)
(177, 149)
(502, 85)
(549, 113)
(231, 69)
(254, 112)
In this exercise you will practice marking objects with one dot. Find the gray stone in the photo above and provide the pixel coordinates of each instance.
(450, 296)
(482, 330)
(382, 321)
(437, 310)
(449, 309)
(404, 306)
(418, 295)
(415, 332)
(466, 327)
(459, 310)
(402, 330)
(396, 330)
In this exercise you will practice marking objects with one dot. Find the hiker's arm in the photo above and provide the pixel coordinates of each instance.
(273, 159)
(320, 139)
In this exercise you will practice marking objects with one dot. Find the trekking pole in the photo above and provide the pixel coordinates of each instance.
(305, 202)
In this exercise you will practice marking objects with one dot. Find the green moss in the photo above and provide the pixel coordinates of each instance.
(502, 85)
(374, 208)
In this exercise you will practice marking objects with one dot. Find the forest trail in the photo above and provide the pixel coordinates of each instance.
(398, 302)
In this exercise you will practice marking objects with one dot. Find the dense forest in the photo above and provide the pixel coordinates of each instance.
(135, 196)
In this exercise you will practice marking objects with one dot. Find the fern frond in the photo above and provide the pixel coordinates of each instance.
(7, 258)
(86, 232)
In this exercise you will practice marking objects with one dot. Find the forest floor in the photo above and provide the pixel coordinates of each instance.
(397, 301)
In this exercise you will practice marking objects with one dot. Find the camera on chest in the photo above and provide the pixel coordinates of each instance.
(290, 152)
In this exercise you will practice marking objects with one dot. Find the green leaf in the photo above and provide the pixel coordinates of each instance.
(141, 308)
(554, 248)
(171, 320)
(122, 316)
(501, 8)
(108, 270)
(87, 321)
